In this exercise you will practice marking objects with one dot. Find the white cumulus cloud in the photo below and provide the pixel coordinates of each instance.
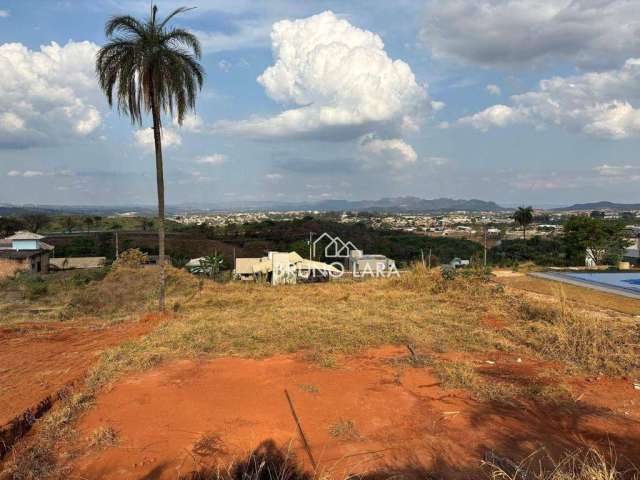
(215, 159)
(49, 95)
(602, 104)
(395, 152)
(338, 80)
(593, 33)
(495, 116)
(4, 13)
(144, 138)
(191, 123)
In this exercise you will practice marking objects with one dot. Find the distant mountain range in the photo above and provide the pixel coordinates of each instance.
(603, 205)
(407, 204)
(389, 204)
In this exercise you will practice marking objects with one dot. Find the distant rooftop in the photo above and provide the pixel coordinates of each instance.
(24, 235)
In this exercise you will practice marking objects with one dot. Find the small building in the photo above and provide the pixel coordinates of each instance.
(374, 265)
(244, 268)
(283, 268)
(26, 251)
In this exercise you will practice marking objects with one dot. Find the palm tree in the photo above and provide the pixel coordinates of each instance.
(149, 68)
(523, 217)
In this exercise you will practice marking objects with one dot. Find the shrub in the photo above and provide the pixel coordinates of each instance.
(35, 287)
(34, 462)
(132, 258)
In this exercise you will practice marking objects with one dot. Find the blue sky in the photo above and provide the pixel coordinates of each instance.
(517, 101)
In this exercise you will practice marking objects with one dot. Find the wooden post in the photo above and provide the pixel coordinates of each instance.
(300, 431)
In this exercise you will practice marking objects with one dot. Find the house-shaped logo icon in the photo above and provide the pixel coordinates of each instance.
(336, 247)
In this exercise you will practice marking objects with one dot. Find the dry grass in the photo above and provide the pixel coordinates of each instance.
(103, 437)
(580, 465)
(457, 374)
(323, 319)
(574, 293)
(326, 320)
(341, 318)
(32, 462)
(589, 340)
(344, 430)
(125, 291)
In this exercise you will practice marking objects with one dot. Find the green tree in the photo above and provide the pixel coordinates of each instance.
(146, 223)
(68, 223)
(150, 68)
(35, 221)
(595, 238)
(10, 225)
(88, 221)
(523, 217)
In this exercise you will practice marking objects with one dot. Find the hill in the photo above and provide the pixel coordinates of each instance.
(404, 204)
(602, 205)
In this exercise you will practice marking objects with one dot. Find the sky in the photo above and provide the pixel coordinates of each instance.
(515, 101)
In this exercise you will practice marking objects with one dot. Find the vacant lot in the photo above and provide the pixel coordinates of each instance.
(492, 372)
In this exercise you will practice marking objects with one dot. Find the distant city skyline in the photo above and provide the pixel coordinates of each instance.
(308, 101)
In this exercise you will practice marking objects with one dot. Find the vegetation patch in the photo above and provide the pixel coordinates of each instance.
(103, 437)
(344, 430)
(128, 289)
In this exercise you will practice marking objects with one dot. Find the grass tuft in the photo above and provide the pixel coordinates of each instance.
(580, 465)
(103, 437)
(344, 430)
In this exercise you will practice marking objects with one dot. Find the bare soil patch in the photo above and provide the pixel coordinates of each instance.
(37, 360)
(365, 415)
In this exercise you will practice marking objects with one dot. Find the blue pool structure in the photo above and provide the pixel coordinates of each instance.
(621, 283)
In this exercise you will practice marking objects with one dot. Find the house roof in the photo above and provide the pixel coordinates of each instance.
(24, 235)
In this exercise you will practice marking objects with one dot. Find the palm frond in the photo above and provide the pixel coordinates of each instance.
(124, 24)
(177, 11)
(143, 65)
(179, 38)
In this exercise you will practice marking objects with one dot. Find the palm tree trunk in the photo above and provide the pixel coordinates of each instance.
(524, 232)
(157, 137)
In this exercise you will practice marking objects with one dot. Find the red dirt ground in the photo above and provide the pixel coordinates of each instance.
(37, 360)
(403, 418)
